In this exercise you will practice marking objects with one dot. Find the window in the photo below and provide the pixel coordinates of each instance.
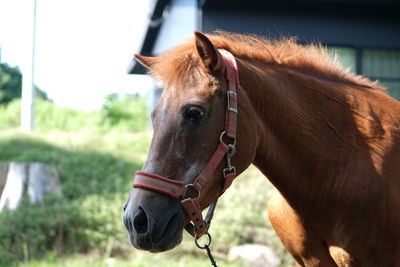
(347, 57)
(377, 64)
(383, 65)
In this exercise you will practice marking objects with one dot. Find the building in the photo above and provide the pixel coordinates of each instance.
(365, 33)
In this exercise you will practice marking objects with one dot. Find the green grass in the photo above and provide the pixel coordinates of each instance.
(138, 259)
(96, 176)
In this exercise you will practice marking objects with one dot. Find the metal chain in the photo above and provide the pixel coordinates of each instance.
(207, 248)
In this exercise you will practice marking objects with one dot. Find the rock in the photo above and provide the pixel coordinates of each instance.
(35, 179)
(43, 180)
(255, 255)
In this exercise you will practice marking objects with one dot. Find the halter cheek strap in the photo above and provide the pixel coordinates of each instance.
(196, 225)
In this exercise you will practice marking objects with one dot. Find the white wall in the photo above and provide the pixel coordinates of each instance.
(179, 25)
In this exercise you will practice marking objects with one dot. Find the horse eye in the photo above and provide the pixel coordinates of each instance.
(193, 114)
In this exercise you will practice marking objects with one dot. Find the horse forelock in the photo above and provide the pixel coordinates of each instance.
(181, 64)
(177, 66)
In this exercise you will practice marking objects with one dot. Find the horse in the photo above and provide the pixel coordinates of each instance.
(327, 139)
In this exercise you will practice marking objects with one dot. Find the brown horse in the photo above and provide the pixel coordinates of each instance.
(328, 140)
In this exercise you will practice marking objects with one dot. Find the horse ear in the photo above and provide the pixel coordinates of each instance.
(208, 54)
(146, 61)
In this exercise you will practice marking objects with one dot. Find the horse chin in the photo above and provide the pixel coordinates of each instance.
(167, 242)
(167, 245)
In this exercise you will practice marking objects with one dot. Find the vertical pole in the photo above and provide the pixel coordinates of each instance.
(28, 86)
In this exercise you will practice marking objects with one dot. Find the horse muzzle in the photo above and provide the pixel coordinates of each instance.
(154, 230)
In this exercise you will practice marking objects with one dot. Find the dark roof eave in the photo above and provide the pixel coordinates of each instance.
(154, 26)
(135, 67)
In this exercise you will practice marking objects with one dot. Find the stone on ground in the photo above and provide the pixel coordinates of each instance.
(34, 179)
(254, 255)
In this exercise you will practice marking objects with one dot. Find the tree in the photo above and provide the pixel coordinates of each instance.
(11, 84)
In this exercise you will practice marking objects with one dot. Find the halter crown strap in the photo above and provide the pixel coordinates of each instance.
(232, 76)
(177, 189)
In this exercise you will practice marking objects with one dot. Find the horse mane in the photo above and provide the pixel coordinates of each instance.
(180, 63)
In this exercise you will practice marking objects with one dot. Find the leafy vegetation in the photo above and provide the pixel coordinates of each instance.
(95, 185)
(96, 155)
(123, 114)
(11, 85)
(118, 110)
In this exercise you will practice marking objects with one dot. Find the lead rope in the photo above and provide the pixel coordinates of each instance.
(207, 248)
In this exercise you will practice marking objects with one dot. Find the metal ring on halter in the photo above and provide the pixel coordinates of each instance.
(193, 189)
(222, 136)
(206, 245)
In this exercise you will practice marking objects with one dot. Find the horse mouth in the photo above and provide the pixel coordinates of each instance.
(171, 235)
(160, 238)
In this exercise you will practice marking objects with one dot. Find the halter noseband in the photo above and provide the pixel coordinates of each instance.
(196, 225)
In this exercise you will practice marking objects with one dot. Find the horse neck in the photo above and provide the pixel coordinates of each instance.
(300, 130)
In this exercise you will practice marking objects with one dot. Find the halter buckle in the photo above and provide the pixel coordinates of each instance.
(229, 170)
(230, 94)
(191, 191)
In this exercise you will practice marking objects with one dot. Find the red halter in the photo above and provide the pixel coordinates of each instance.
(196, 225)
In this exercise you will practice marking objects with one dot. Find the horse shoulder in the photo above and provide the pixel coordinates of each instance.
(299, 238)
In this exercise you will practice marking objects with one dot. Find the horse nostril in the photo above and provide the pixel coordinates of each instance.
(140, 222)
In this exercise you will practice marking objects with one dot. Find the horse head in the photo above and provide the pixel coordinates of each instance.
(189, 124)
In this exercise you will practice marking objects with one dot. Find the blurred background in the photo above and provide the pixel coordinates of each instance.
(73, 98)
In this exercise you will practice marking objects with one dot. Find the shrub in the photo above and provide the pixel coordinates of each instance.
(129, 112)
(48, 117)
(95, 186)
(59, 225)
(10, 115)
